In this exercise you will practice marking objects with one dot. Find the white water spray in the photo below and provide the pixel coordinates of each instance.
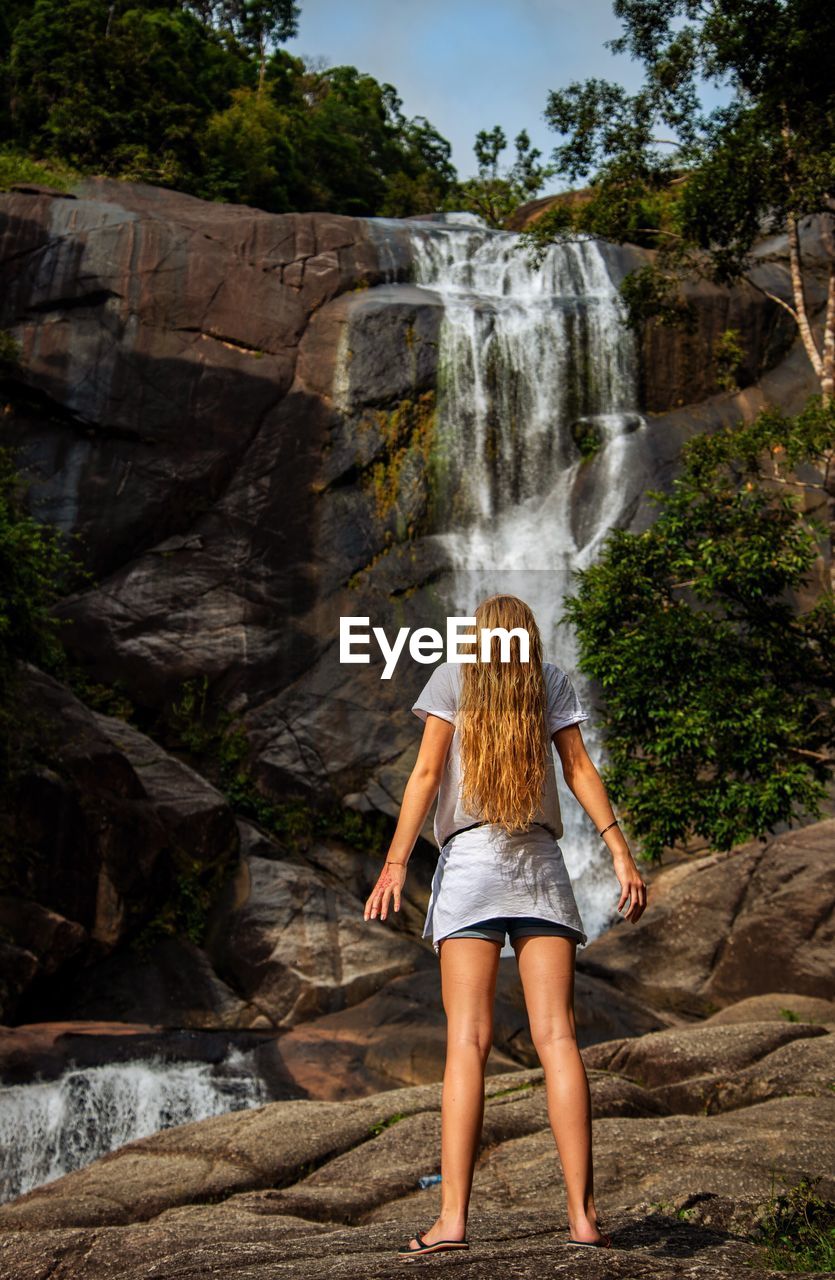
(48, 1129)
(531, 360)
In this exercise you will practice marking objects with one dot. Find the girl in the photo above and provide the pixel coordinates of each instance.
(486, 749)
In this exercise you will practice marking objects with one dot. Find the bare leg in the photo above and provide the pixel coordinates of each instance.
(468, 986)
(546, 968)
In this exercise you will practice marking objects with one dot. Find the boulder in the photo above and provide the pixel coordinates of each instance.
(297, 947)
(171, 984)
(728, 926)
(395, 1037)
(666, 1056)
(803, 1068)
(111, 823)
(777, 1006)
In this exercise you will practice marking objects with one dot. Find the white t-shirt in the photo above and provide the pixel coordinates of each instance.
(439, 697)
(488, 872)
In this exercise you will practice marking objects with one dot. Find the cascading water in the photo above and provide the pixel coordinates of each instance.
(532, 360)
(48, 1129)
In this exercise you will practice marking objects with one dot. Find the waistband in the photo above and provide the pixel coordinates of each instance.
(484, 823)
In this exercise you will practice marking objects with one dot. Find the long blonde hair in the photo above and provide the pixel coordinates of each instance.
(502, 720)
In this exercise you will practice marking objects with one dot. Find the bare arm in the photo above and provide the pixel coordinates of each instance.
(418, 795)
(584, 781)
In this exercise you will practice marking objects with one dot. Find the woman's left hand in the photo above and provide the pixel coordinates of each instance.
(388, 886)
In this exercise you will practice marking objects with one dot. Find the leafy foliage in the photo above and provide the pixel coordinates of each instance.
(797, 1230)
(729, 354)
(700, 186)
(198, 96)
(719, 716)
(494, 195)
(16, 166)
(122, 89)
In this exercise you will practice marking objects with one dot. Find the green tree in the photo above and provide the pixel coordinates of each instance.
(248, 155)
(719, 694)
(331, 139)
(423, 174)
(494, 195)
(120, 88)
(11, 13)
(258, 25)
(361, 142)
(699, 186)
(195, 94)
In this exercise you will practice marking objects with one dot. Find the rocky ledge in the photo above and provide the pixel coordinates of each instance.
(693, 1128)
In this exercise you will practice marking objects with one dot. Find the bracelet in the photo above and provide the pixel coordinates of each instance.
(395, 864)
(605, 829)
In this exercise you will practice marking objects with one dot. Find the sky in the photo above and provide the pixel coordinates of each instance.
(469, 64)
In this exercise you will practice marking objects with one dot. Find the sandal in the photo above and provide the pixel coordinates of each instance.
(437, 1247)
(605, 1243)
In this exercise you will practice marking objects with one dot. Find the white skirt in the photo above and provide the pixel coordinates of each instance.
(486, 872)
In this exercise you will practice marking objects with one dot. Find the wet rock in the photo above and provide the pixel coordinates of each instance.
(678, 365)
(44, 1051)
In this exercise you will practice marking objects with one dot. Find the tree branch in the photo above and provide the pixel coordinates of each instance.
(773, 297)
(813, 755)
(659, 231)
(802, 484)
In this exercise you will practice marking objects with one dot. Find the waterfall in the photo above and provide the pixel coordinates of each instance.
(48, 1129)
(532, 363)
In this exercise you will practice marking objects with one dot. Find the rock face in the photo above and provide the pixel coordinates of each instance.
(110, 824)
(678, 366)
(268, 1191)
(355, 1005)
(730, 925)
(235, 412)
(178, 407)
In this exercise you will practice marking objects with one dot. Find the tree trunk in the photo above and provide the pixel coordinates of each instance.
(828, 360)
(823, 360)
(799, 294)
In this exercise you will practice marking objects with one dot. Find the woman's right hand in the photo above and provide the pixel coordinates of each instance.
(632, 887)
(389, 885)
